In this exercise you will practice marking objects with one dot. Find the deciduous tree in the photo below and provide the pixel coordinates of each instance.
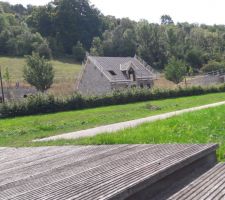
(38, 72)
(175, 70)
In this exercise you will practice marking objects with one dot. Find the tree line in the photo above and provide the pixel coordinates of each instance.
(72, 27)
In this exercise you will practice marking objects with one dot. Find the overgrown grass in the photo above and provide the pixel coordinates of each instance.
(205, 126)
(21, 131)
(66, 73)
(64, 69)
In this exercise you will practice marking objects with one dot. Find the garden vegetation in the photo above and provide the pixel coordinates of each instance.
(44, 103)
(71, 27)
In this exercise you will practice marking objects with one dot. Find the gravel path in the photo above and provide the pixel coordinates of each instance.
(123, 125)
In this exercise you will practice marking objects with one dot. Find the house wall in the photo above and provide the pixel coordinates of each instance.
(93, 82)
(145, 83)
(122, 86)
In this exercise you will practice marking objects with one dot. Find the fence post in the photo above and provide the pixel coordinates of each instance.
(3, 97)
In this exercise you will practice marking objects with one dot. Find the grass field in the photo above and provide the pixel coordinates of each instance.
(21, 131)
(66, 72)
(205, 126)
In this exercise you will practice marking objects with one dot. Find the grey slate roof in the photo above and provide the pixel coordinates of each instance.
(106, 64)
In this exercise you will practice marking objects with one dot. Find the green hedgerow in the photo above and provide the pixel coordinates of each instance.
(44, 103)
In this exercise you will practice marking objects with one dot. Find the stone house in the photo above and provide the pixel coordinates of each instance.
(101, 75)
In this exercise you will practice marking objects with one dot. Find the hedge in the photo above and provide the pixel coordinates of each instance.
(43, 103)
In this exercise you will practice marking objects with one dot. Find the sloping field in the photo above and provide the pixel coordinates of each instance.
(20, 131)
(205, 126)
(66, 72)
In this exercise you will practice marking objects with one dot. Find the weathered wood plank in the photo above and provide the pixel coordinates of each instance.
(90, 172)
(70, 167)
(210, 185)
(51, 162)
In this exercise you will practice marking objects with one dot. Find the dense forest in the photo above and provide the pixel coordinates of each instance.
(72, 27)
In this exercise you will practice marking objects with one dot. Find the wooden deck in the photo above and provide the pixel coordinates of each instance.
(209, 186)
(90, 172)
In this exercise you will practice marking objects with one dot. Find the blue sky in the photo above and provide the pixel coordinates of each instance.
(193, 11)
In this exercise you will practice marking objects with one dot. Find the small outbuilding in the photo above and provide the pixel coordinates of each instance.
(101, 75)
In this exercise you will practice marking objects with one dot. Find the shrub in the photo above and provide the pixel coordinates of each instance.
(175, 70)
(43, 103)
(79, 52)
(213, 66)
(38, 72)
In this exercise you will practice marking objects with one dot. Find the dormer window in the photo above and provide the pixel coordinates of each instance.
(112, 73)
(131, 74)
(126, 66)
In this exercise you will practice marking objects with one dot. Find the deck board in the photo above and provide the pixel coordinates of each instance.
(210, 185)
(89, 172)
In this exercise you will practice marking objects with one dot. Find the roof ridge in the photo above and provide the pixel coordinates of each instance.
(111, 56)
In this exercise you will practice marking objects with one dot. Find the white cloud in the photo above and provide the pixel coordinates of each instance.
(194, 11)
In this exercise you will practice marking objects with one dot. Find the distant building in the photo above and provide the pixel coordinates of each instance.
(102, 75)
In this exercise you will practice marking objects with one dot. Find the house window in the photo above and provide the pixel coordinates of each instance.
(112, 73)
(142, 85)
(149, 85)
(131, 75)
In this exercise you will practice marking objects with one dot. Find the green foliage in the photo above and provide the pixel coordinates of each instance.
(17, 9)
(63, 68)
(43, 103)
(44, 50)
(16, 39)
(213, 66)
(151, 44)
(200, 127)
(67, 21)
(79, 52)
(175, 70)
(20, 131)
(155, 43)
(6, 75)
(97, 47)
(57, 28)
(41, 20)
(38, 72)
(121, 41)
(195, 58)
(166, 20)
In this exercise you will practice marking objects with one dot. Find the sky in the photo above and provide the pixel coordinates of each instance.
(192, 11)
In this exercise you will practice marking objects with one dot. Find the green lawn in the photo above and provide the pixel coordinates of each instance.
(21, 131)
(64, 69)
(205, 126)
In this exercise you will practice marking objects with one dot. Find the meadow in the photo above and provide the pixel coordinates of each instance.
(205, 126)
(66, 73)
(20, 131)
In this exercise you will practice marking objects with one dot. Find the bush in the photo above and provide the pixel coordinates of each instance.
(43, 103)
(79, 52)
(38, 72)
(44, 51)
(175, 70)
(213, 66)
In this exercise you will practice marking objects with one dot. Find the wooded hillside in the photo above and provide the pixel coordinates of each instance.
(71, 27)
